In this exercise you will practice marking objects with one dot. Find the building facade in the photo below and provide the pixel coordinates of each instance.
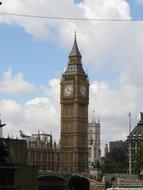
(106, 150)
(135, 140)
(74, 97)
(119, 144)
(42, 152)
(94, 151)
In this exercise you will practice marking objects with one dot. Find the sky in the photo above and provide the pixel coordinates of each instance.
(34, 53)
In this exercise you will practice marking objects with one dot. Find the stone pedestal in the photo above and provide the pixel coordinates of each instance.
(7, 176)
(7, 169)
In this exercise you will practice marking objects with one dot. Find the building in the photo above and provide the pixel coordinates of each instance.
(94, 151)
(106, 150)
(135, 140)
(42, 152)
(119, 144)
(74, 99)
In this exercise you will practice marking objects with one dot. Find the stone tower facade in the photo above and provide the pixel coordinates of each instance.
(74, 98)
(94, 144)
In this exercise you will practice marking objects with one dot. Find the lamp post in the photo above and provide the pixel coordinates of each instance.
(130, 145)
(130, 155)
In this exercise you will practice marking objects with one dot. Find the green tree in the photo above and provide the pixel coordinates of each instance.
(116, 162)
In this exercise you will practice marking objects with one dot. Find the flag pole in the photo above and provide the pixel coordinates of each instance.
(129, 123)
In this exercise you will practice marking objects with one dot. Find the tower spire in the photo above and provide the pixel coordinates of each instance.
(75, 51)
(74, 62)
(75, 34)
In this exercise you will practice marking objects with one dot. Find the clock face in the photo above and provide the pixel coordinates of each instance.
(68, 90)
(83, 90)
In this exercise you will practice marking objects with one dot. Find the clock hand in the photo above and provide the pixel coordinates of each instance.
(69, 90)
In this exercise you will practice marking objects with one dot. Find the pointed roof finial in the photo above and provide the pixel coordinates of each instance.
(75, 34)
(75, 51)
(94, 120)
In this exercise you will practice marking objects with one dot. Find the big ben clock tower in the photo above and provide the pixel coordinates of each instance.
(74, 99)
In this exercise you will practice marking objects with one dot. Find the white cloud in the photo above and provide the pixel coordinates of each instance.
(41, 113)
(112, 105)
(46, 28)
(39, 28)
(15, 84)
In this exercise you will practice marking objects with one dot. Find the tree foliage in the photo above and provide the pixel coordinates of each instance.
(116, 162)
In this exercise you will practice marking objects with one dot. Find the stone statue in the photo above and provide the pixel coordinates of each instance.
(3, 151)
(1, 125)
(3, 147)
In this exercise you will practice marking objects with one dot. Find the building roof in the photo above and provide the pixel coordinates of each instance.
(138, 130)
(74, 69)
(75, 51)
(75, 64)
